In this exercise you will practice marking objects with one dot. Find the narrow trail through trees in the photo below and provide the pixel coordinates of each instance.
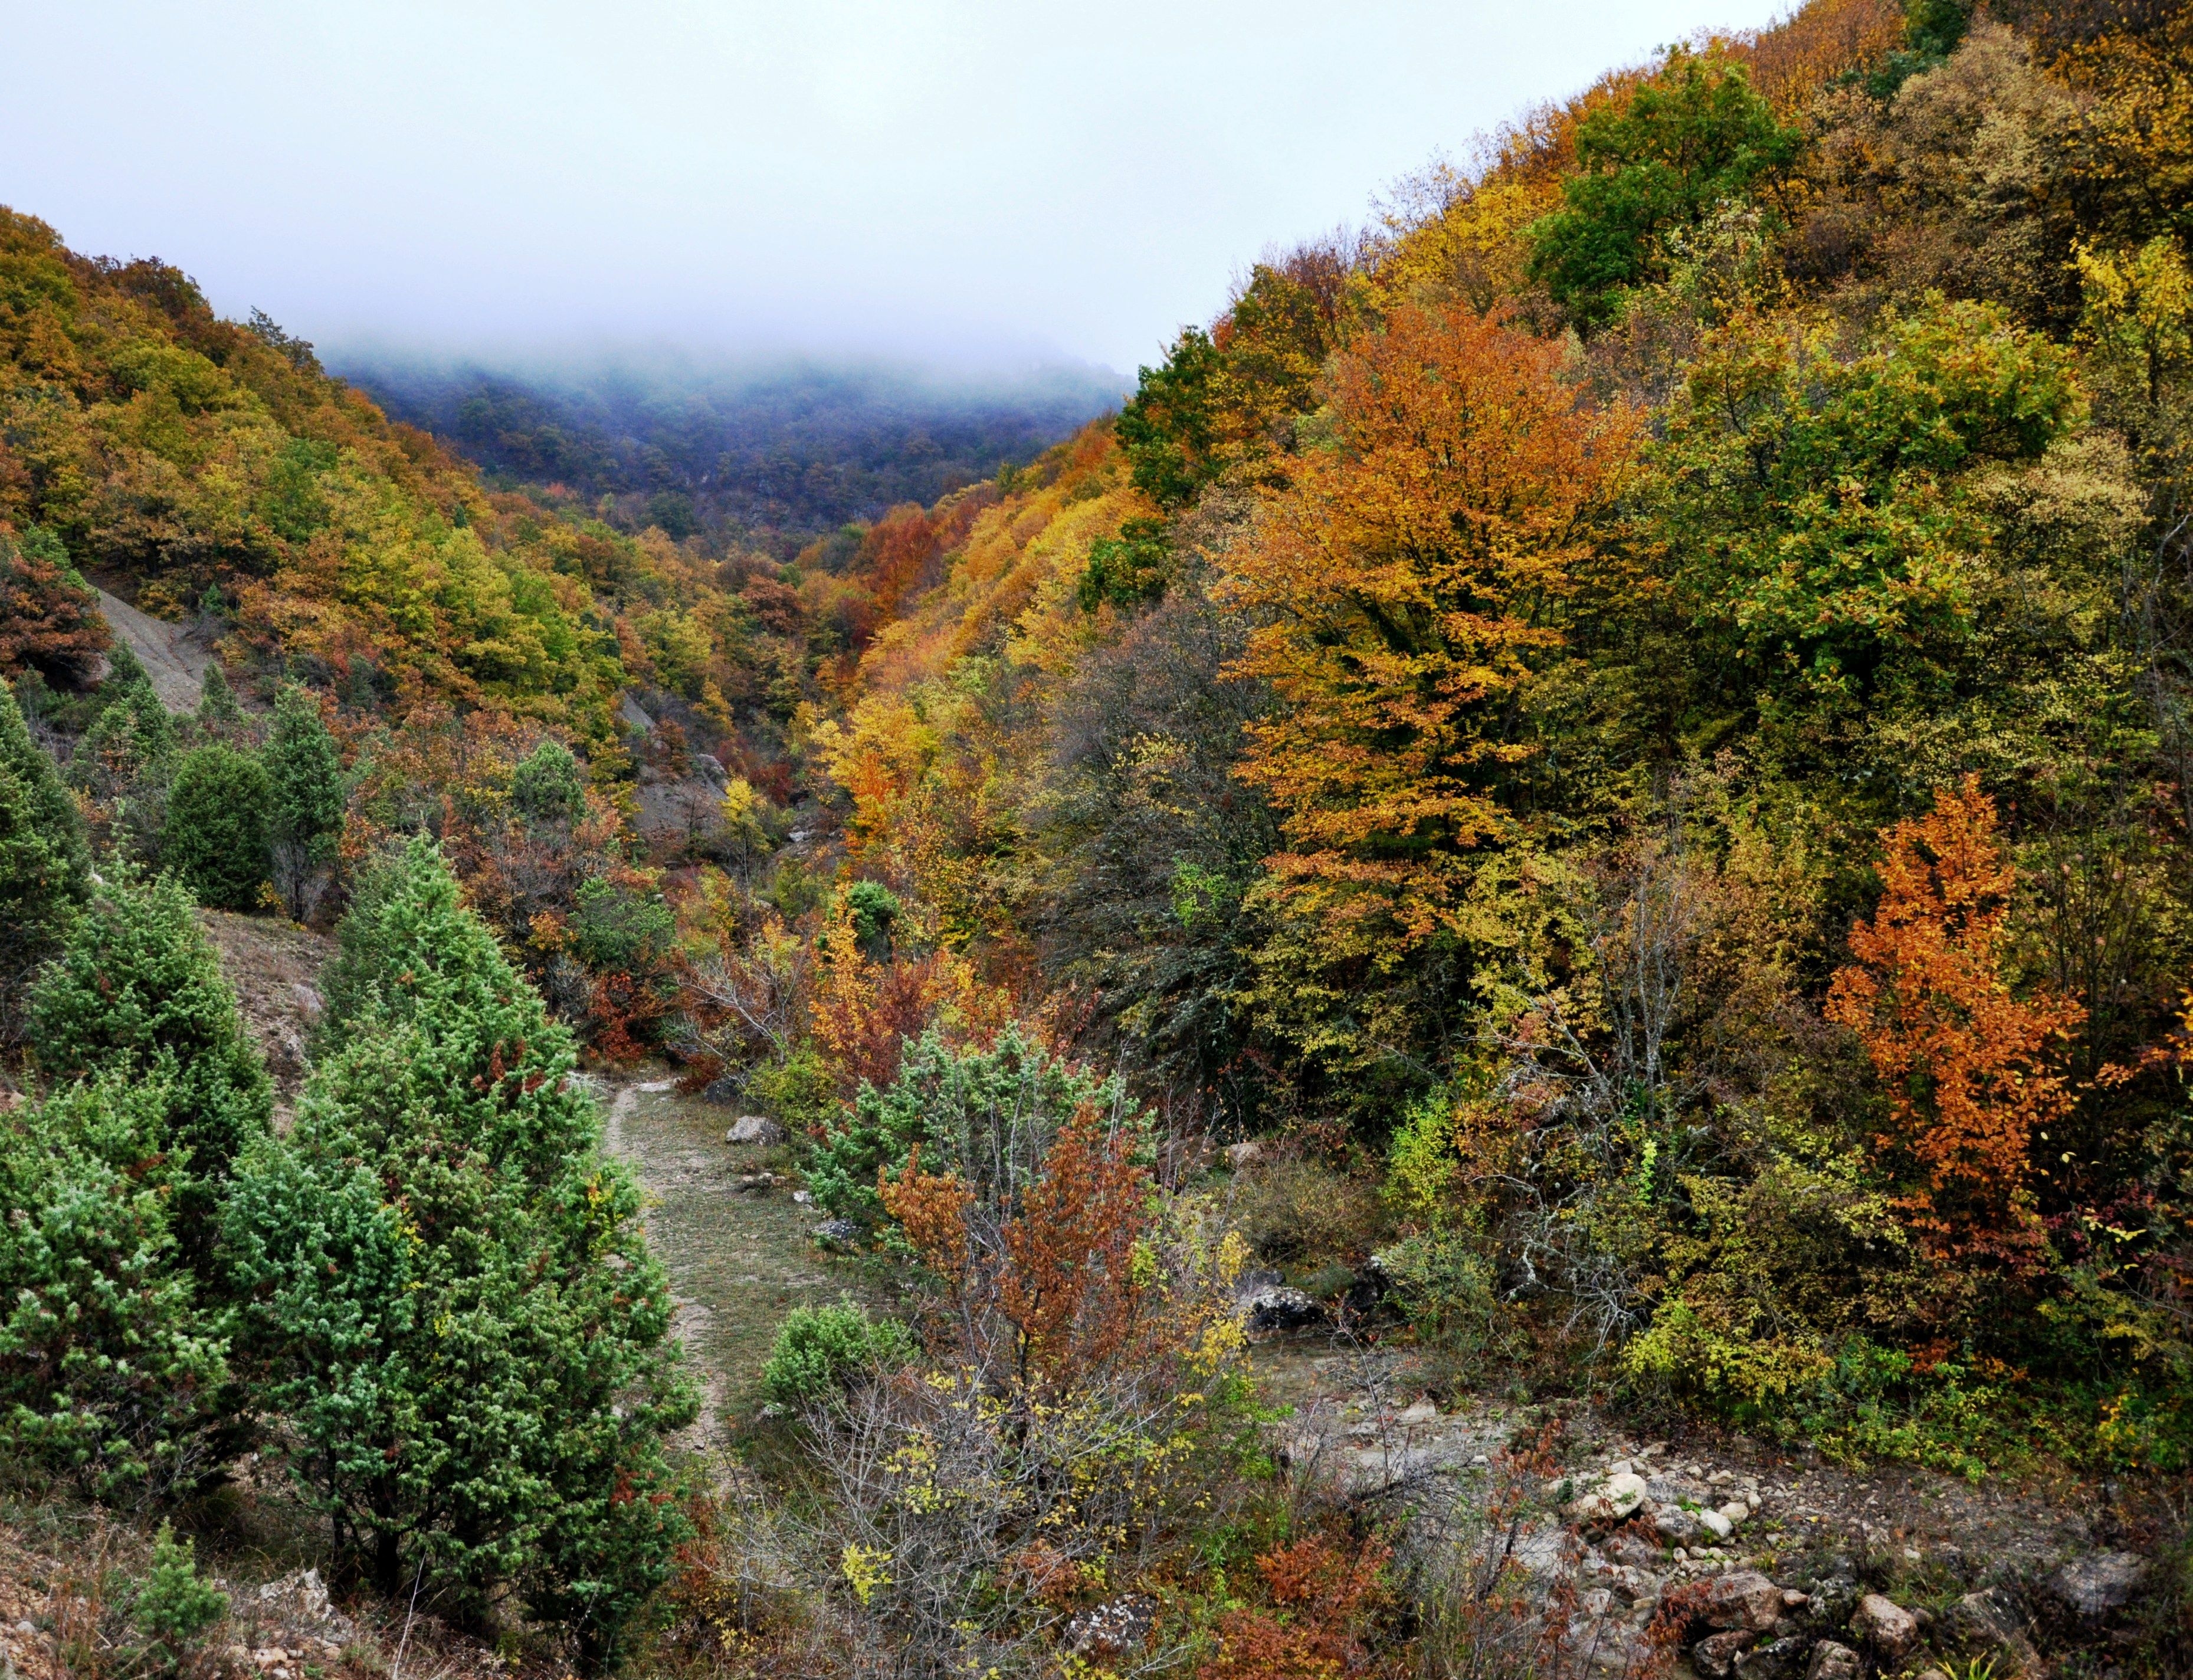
(739, 1259)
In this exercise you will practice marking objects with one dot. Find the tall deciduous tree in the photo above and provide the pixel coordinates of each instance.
(1967, 1067)
(1404, 587)
(1691, 137)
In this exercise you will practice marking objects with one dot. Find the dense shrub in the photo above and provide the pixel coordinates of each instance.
(44, 872)
(546, 786)
(818, 1348)
(215, 839)
(985, 1115)
(111, 1369)
(137, 991)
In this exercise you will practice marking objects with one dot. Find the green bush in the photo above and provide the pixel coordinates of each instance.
(44, 864)
(819, 1348)
(137, 990)
(55, 815)
(174, 1608)
(618, 932)
(451, 1302)
(216, 839)
(987, 1115)
(547, 787)
(798, 1090)
(112, 1372)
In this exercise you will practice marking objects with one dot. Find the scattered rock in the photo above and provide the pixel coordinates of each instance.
(1114, 1628)
(1633, 1586)
(1884, 1625)
(1674, 1488)
(1831, 1661)
(1281, 1307)
(299, 1600)
(1743, 1598)
(1714, 1656)
(1988, 1621)
(1835, 1594)
(1240, 1155)
(837, 1233)
(806, 1199)
(1780, 1659)
(758, 1131)
(1613, 1500)
(2094, 1587)
(1676, 1526)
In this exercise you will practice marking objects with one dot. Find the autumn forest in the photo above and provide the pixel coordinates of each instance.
(1577, 816)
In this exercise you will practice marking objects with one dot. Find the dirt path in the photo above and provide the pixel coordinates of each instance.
(172, 657)
(739, 1260)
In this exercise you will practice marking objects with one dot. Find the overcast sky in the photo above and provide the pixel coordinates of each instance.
(946, 179)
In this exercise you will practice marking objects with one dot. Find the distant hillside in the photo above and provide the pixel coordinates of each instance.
(795, 450)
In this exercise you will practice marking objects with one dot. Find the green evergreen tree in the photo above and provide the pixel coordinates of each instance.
(309, 795)
(215, 838)
(58, 820)
(174, 1607)
(44, 864)
(111, 1372)
(219, 715)
(137, 991)
(452, 1303)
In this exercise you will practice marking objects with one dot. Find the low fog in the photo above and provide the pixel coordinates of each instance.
(971, 184)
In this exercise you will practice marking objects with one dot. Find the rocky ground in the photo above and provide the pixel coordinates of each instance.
(174, 655)
(1746, 1560)
(274, 967)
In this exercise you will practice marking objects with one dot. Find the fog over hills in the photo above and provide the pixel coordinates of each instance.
(786, 447)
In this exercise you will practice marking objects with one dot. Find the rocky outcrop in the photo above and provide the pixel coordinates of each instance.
(756, 1131)
(2093, 1588)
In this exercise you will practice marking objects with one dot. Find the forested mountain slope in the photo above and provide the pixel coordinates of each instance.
(1588, 791)
(1649, 694)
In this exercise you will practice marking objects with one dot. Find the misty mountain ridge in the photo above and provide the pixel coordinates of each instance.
(790, 449)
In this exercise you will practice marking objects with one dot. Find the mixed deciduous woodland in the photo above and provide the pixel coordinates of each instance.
(1586, 797)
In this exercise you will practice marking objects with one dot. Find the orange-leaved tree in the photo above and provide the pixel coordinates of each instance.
(1967, 1066)
(1044, 1288)
(1404, 586)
